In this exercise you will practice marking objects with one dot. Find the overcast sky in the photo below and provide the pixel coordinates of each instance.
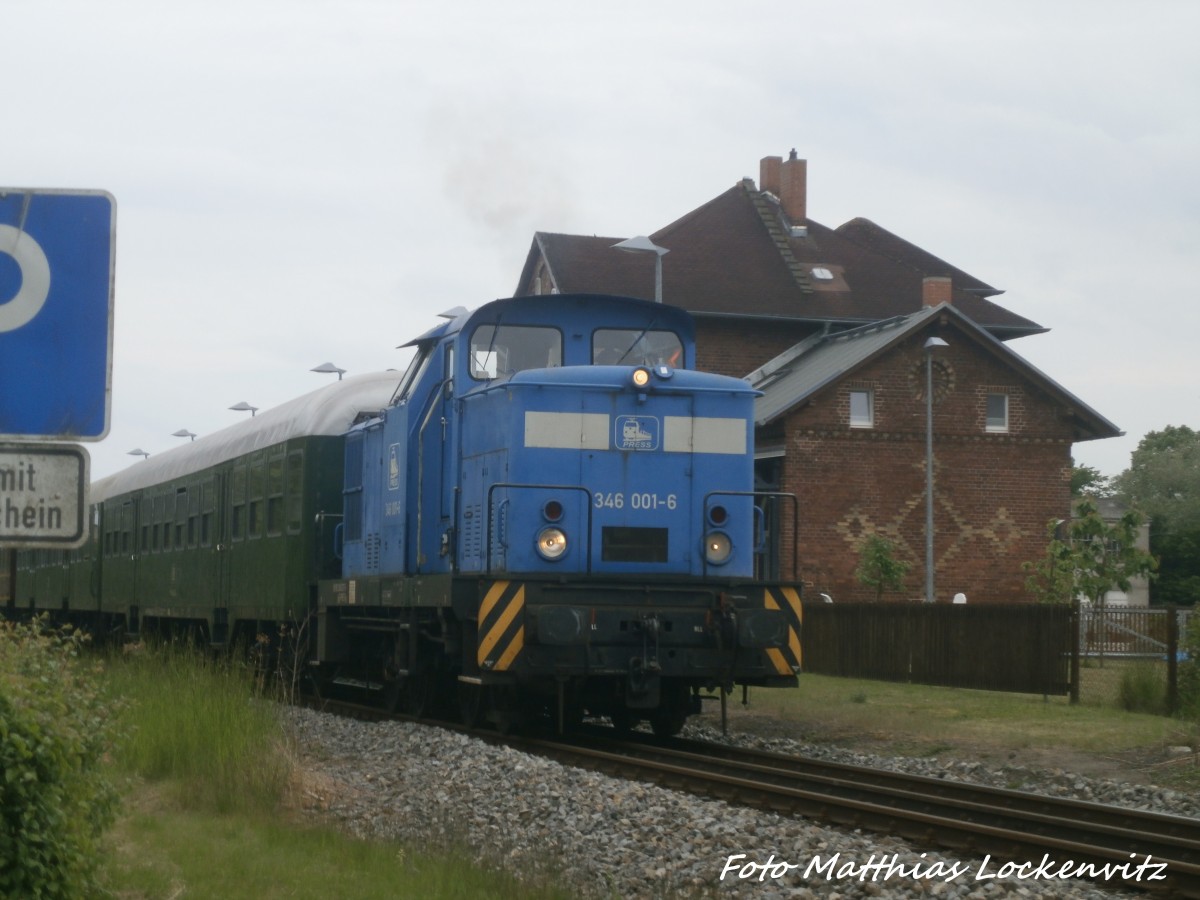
(303, 181)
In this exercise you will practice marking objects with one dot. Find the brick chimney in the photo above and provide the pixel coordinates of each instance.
(936, 290)
(787, 180)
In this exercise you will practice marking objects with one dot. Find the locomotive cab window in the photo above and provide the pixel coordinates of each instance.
(634, 347)
(412, 374)
(506, 349)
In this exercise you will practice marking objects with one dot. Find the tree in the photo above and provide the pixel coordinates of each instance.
(1052, 578)
(1094, 558)
(878, 567)
(1087, 481)
(1163, 479)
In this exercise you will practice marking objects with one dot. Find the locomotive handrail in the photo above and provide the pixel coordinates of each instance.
(435, 396)
(542, 487)
(778, 495)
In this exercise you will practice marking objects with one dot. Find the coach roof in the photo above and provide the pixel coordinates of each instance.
(331, 410)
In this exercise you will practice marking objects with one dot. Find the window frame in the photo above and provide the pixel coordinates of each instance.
(861, 422)
(1000, 428)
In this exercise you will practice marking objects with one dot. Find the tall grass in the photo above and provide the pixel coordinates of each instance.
(195, 722)
(207, 816)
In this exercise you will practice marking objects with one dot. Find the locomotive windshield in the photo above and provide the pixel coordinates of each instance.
(414, 371)
(503, 350)
(631, 347)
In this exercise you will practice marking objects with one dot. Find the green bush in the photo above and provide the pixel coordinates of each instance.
(55, 796)
(1142, 689)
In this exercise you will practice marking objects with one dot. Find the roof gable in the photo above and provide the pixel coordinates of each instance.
(816, 364)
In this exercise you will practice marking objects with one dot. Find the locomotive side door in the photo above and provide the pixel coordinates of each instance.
(449, 470)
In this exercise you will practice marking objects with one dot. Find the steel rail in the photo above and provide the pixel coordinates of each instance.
(1145, 851)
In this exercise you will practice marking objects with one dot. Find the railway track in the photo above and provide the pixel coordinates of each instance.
(1012, 833)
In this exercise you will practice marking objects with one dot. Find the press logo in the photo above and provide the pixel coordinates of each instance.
(637, 433)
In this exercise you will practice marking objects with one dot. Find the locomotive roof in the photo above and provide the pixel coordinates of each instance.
(586, 309)
(331, 410)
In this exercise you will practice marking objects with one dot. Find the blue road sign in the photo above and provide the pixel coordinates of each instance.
(57, 251)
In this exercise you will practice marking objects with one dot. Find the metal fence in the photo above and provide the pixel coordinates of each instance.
(1094, 655)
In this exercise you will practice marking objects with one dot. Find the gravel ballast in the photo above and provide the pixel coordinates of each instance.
(605, 837)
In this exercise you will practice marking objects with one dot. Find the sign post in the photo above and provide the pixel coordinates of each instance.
(57, 263)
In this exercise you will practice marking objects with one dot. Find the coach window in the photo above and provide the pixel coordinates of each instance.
(181, 511)
(193, 515)
(275, 495)
(208, 504)
(156, 529)
(502, 350)
(254, 524)
(295, 491)
(997, 412)
(635, 347)
(237, 503)
(862, 409)
(126, 525)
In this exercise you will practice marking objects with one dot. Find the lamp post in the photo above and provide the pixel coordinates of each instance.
(328, 369)
(138, 452)
(643, 244)
(183, 432)
(243, 406)
(930, 345)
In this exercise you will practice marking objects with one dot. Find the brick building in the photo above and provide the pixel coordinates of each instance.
(830, 324)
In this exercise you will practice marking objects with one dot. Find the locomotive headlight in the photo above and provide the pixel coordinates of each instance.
(551, 543)
(717, 548)
(641, 377)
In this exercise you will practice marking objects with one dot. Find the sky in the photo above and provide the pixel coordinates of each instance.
(309, 181)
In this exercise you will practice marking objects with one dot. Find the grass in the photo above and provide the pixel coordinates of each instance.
(208, 768)
(166, 852)
(917, 720)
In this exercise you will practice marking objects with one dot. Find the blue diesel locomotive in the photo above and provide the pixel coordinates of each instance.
(555, 514)
(549, 514)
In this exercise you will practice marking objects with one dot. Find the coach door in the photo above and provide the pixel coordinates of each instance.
(222, 538)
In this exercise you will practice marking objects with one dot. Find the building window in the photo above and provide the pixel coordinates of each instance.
(862, 409)
(997, 412)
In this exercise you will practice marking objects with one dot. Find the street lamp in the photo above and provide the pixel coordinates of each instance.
(930, 345)
(138, 452)
(329, 369)
(183, 432)
(243, 406)
(643, 244)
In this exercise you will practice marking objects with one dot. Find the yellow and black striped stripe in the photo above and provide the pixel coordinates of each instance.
(786, 599)
(501, 626)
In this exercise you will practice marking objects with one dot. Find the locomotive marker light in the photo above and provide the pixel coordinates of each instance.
(930, 345)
